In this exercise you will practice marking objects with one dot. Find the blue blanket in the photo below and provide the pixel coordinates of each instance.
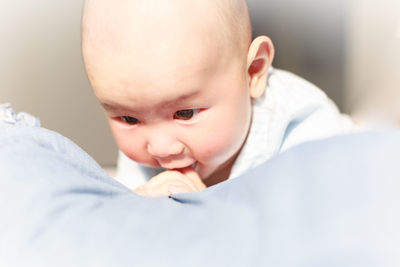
(327, 203)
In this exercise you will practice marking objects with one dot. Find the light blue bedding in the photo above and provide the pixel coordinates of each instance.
(328, 203)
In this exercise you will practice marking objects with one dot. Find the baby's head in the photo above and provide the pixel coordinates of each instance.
(176, 78)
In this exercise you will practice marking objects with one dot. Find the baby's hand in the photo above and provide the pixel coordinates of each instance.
(171, 182)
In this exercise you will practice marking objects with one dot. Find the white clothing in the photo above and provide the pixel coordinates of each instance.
(291, 111)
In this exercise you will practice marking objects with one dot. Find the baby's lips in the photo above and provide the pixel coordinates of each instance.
(194, 177)
(186, 170)
(177, 165)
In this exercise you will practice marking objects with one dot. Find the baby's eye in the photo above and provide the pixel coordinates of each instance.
(129, 120)
(185, 114)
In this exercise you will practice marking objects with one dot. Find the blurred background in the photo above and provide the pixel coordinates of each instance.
(349, 48)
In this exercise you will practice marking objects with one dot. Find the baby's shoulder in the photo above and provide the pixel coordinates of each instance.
(291, 86)
(287, 91)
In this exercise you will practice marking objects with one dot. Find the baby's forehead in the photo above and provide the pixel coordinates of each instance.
(133, 39)
(107, 20)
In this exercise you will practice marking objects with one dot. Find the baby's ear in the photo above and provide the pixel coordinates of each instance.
(259, 60)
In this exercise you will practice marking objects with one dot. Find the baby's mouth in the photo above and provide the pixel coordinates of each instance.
(193, 166)
(179, 166)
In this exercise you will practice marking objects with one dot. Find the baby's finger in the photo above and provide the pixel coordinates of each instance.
(172, 182)
(170, 177)
(157, 192)
(150, 191)
(176, 189)
(194, 178)
(169, 189)
(141, 190)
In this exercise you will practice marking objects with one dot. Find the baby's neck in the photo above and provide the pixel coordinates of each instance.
(217, 177)
(222, 173)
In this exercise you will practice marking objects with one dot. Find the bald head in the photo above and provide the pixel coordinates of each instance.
(143, 24)
(148, 59)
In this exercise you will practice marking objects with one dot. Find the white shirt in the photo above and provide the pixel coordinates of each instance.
(291, 111)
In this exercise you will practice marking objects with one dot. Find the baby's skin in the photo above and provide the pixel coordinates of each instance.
(176, 80)
(172, 182)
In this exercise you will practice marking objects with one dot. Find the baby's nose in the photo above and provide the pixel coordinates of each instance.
(164, 148)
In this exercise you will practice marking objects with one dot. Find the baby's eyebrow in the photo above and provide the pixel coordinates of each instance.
(180, 98)
(113, 107)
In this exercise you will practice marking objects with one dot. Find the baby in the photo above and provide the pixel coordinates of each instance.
(191, 96)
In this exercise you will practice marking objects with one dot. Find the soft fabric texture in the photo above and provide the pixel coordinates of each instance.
(291, 111)
(333, 202)
(9, 117)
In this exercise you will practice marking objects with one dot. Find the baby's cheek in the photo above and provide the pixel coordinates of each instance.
(133, 152)
(226, 140)
(131, 143)
(217, 146)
